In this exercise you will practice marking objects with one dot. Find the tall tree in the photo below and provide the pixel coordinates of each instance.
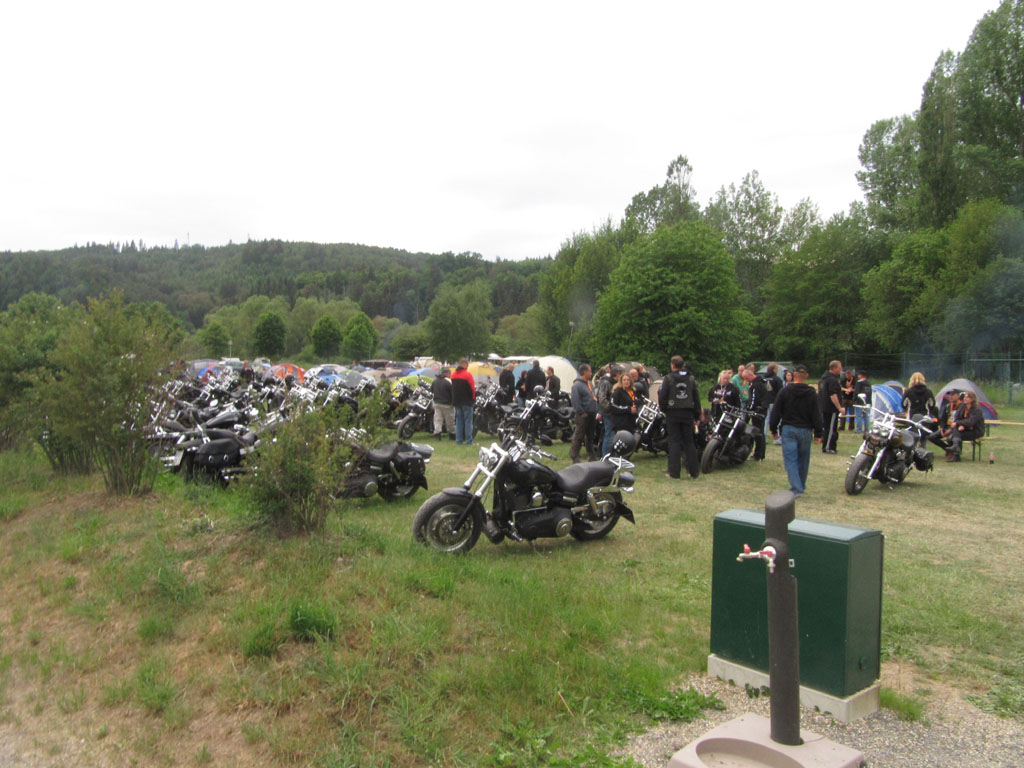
(458, 323)
(268, 336)
(326, 336)
(674, 292)
(890, 176)
(670, 202)
(359, 340)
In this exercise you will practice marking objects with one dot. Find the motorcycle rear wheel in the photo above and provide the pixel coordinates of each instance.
(711, 452)
(591, 531)
(857, 475)
(395, 492)
(434, 524)
(407, 427)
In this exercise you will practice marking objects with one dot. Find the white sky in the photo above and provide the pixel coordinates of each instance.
(434, 126)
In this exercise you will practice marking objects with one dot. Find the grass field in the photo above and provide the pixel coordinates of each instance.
(171, 631)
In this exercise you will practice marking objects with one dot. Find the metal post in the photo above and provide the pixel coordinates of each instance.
(783, 636)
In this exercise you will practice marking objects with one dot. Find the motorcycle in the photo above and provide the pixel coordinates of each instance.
(419, 415)
(730, 439)
(650, 427)
(394, 470)
(530, 500)
(489, 410)
(891, 448)
(538, 421)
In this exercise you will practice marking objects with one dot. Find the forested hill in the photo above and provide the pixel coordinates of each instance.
(194, 280)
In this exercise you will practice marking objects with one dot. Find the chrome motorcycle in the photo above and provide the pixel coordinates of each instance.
(892, 447)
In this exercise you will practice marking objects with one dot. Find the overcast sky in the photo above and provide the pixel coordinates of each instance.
(435, 126)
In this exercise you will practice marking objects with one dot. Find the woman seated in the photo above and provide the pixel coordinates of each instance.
(969, 424)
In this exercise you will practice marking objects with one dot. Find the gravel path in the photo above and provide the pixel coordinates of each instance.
(953, 732)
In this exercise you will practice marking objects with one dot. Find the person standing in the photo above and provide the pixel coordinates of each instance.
(534, 378)
(722, 394)
(507, 384)
(604, 403)
(624, 405)
(679, 400)
(584, 408)
(553, 385)
(829, 393)
(463, 397)
(862, 402)
(918, 400)
(444, 411)
(640, 387)
(758, 408)
(799, 414)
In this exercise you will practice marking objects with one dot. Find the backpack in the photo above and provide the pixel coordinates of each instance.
(681, 394)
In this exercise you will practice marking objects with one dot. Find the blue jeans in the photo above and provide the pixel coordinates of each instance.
(796, 455)
(463, 424)
(609, 434)
(862, 421)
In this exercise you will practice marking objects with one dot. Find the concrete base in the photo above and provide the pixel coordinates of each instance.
(746, 743)
(859, 704)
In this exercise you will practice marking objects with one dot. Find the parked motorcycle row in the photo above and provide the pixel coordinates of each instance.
(210, 431)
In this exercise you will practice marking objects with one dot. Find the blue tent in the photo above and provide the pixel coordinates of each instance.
(886, 398)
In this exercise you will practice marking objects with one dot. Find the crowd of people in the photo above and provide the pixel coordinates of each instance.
(793, 412)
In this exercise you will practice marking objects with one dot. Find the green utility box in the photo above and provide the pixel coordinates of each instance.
(838, 571)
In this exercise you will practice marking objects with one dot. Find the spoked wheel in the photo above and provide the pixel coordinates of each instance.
(396, 492)
(435, 524)
(407, 427)
(857, 475)
(592, 530)
(711, 451)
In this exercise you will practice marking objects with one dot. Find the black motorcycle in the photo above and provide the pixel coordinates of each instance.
(730, 439)
(489, 409)
(540, 420)
(394, 470)
(891, 448)
(530, 500)
(419, 413)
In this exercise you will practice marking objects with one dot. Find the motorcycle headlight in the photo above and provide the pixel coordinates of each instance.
(487, 458)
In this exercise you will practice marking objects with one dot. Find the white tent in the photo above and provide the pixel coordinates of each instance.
(564, 370)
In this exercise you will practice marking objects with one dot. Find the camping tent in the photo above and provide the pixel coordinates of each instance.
(897, 386)
(886, 398)
(281, 370)
(564, 370)
(966, 385)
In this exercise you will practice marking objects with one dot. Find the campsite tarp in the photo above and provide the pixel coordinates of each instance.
(965, 385)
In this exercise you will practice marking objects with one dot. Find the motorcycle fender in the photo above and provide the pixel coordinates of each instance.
(625, 512)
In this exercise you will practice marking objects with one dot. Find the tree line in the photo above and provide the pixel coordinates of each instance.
(932, 259)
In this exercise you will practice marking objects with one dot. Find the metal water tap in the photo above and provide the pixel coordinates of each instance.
(767, 554)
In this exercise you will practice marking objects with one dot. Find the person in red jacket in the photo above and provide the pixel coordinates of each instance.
(463, 397)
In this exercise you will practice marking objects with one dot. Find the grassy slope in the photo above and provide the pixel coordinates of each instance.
(157, 630)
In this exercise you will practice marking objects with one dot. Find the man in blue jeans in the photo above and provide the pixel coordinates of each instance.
(796, 409)
(463, 397)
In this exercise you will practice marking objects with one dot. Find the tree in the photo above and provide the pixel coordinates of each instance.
(890, 177)
(814, 293)
(410, 341)
(457, 324)
(268, 335)
(666, 204)
(989, 314)
(674, 292)
(214, 339)
(359, 338)
(757, 230)
(326, 336)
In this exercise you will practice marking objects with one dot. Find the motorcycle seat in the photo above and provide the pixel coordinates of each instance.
(383, 454)
(577, 478)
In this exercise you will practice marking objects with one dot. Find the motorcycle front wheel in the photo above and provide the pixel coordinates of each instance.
(711, 452)
(407, 427)
(434, 524)
(857, 475)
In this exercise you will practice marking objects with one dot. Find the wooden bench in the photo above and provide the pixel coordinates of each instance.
(977, 449)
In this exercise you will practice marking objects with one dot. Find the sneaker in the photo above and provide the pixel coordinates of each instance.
(830, 451)
(776, 442)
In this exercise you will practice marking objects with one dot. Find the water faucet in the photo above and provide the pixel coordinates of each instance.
(767, 554)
